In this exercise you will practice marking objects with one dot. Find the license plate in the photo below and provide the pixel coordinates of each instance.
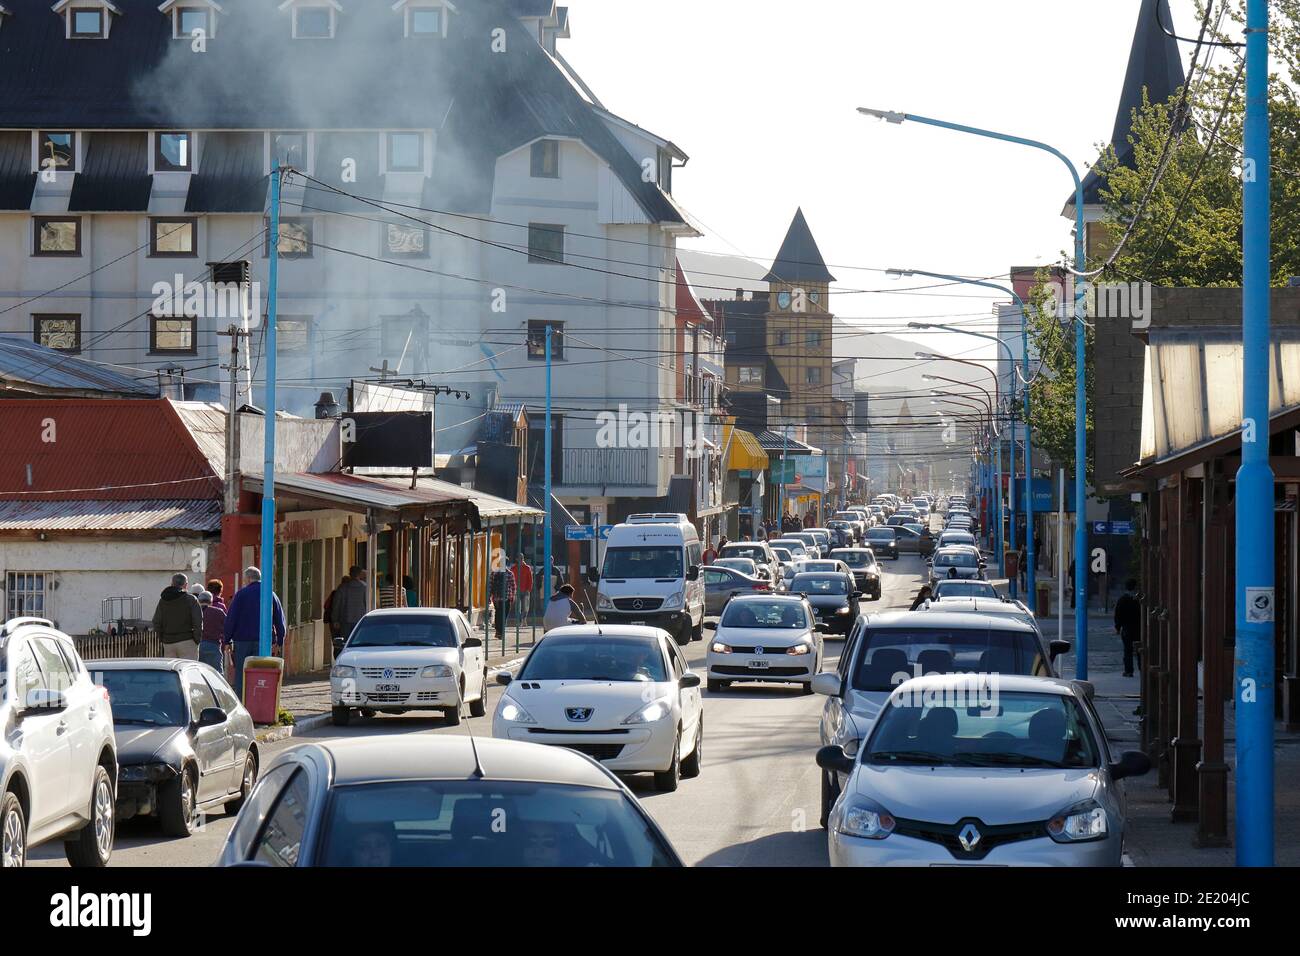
(758, 665)
(388, 688)
(638, 622)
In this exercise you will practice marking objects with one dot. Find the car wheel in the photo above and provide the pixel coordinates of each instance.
(683, 636)
(697, 631)
(478, 708)
(666, 781)
(714, 686)
(368, 712)
(13, 832)
(92, 845)
(691, 765)
(806, 689)
(452, 714)
(342, 715)
(246, 784)
(177, 806)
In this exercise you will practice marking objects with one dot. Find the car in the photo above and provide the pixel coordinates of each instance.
(955, 537)
(185, 743)
(783, 554)
(439, 801)
(822, 564)
(403, 659)
(961, 771)
(798, 548)
(855, 521)
(961, 588)
(621, 694)
(898, 519)
(910, 541)
(956, 561)
(651, 575)
(722, 584)
(773, 639)
(887, 648)
(760, 552)
(745, 566)
(58, 755)
(833, 596)
(842, 533)
(1002, 608)
(824, 538)
(863, 566)
(883, 541)
(811, 542)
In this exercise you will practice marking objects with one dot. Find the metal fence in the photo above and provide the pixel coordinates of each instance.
(109, 647)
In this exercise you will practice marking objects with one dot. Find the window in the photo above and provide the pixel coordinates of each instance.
(729, 336)
(750, 374)
(545, 243)
(169, 335)
(280, 841)
(295, 238)
(406, 152)
(405, 241)
(313, 23)
(426, 22)
(537, 340)
(292, 333)
(226, 698)
(86, 24)
(289, 589)
(57, 236)
(173, 238)
(405, 339)
(812, 375)
(190, 21)
(57, 331)
(172, 152)
(56, 150)
(198, 692)
(546, 159)
(25, 594)
(814, 340)
(26, 675)
(290, 149)
(783, 338)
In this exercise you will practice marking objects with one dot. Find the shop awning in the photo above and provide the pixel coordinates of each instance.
(745, 454)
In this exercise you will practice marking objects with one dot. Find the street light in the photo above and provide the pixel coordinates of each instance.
(1080, 357)
(990, 403)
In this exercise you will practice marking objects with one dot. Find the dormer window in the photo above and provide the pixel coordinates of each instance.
(56, 150)
(172, 152)
(86, 19)
(191, 18)
(87, 24)
(405, 152)
(313, 20)
(424, 18)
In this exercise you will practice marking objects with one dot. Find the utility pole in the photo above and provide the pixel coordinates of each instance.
(268, 466)
(232, 418)
(546, 464)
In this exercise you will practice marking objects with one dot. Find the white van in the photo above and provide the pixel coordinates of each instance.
(651, 575)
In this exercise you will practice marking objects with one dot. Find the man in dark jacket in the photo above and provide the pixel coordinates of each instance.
(351, 602)
(1128, 622)
(178, 620)
(243, 622)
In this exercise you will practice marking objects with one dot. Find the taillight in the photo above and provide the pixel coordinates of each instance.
(762, 586)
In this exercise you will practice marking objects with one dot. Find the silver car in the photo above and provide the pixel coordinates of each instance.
(987, 770)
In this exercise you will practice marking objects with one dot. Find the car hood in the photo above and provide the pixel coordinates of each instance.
(828, 600)
(398, 656)
(941, 571)
(136, 744)
(611, 702)
(762, 636)
(995, 796)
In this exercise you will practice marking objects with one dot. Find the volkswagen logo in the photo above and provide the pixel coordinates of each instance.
(758, 650)
(969, 837)
(637, 604)
(579, 714)
(388, 673)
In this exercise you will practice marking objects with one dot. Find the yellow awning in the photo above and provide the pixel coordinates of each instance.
(745, 452)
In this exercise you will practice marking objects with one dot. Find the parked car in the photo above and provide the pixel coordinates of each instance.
(438, 802)
(58, 756)
(403, 659)
(185, 743)
(883, 541)
(1029, 780)
(722, 584)
(770, 639)
(864, 568)
(621, 694)
(833, 596)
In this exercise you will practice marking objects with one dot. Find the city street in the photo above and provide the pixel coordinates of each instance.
(754, 804)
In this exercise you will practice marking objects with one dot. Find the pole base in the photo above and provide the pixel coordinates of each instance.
(1212, 820)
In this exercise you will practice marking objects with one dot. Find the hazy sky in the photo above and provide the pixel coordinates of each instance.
(762, 95)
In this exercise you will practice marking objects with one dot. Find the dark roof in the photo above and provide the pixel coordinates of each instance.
(114, 176)
(17, 181)
(332, 150)
(1154, 64)
(254, 76)
(799, 259)
(26, 367)
(229, 177)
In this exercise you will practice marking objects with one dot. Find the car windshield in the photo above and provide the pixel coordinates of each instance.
(965, 589)
(887, 656)
(988, 729)
(818, 566)
(855, 559)
(956, 538)
(763, 614)
(820, 584)
(151, 697)
(744, 565)
(880, 534)
(404, 630)
(783, 555)
(661, 562)
(754, 552)
(956, 559)
(592, 657)
(847, 516)
(455, 823)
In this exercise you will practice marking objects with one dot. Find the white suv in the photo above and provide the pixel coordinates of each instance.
(58, 758)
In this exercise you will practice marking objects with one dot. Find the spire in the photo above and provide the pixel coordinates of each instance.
(799, 259)
(1154, 64)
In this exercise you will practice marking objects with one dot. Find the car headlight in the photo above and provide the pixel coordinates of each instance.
(797, 650)
(152, 772)
(720, 648)
(437, 670)
(1079, 823)
(864, 819)
(655, 710)
(842, 610)
(604, 603)
(342, 670)
(674, 600)
(512, 712)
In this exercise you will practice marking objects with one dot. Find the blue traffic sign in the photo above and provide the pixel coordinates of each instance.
(585, 532)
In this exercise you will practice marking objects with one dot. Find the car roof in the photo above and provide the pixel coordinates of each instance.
(767, 598)
(941, 617)
(421, 611)
(358, 760)
(142, 664)
(976, 605)
(607, 631)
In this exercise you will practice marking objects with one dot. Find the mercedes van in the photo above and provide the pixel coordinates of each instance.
(651, 575)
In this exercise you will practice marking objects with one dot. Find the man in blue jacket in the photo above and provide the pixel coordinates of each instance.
(242, 621)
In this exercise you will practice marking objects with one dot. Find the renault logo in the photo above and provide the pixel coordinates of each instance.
(969, 837)
(578, 714)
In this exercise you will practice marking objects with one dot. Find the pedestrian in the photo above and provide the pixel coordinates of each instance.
(212, 647)
(502, 592)
(524, 585)
(1072, 596)
(709, 555)
(389, 595)
(922, 596)
(562, 609)
(1020, 565)
(327, 612)
(244, 620)
(1128, 622)
(215, 587)
(350, 604)
(178, 620)
(408, 589)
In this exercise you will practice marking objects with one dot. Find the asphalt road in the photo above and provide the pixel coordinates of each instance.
(754, 804)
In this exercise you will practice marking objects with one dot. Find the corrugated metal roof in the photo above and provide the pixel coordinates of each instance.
(384, 494)
(17, 181)
(775, 441)
(206, 423)
(115, 174)
(333, 150)
(200, 516)
(230, 177)
(27, 366)
(488, 506)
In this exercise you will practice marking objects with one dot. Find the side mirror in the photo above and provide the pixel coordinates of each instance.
(593, 575)
(211, 717)
(45, 701)
(1133, 763)
(827, 684)
(834, 758)
(689, 680)
(504, 677)
(710, 625)
(822, 628)
(693, 573)
(857, 595)
(473, 642)
(1057, 648)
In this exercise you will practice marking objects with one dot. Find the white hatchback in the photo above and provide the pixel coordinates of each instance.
(773, 639)
(410, 658)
